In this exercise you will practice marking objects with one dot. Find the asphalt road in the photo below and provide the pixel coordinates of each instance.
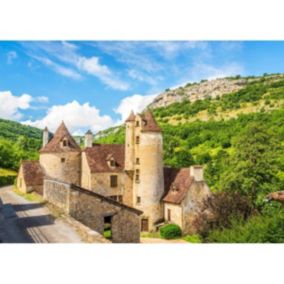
(22, 221)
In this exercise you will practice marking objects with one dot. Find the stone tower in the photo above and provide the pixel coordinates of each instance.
(61, 157)
(148, 179)
(129, 142)
(45, 137)
(88, 139)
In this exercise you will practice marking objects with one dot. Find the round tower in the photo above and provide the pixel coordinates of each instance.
(61, 157)
(149, 174)
(129, 142)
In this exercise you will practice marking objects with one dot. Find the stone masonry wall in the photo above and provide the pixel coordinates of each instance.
(91, 209)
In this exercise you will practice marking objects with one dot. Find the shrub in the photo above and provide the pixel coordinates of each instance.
(7, 180)
(170, 231)
(195, 239)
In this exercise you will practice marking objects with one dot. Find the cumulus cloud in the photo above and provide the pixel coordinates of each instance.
(10, 105)
(137, 103)
(11, 55)
(78, 118)
(41, 99)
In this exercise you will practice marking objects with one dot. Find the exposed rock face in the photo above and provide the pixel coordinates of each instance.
(199, 91)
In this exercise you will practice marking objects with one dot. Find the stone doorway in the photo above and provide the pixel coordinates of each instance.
(108, 227)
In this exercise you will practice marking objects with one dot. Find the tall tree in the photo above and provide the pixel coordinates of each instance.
(252, 170)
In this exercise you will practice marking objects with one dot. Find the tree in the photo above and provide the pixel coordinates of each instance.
(252, 171)
(184, 158)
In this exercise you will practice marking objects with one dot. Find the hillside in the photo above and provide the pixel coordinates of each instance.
(203, 131)
(18, 142)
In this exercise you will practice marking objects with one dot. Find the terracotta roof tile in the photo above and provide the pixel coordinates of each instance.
(177, 184)
(149, 122)
(54, 145)
(32, 173)
(99, 154)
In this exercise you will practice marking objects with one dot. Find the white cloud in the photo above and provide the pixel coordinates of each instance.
(206, 71)
(58, 54)
(137, 103)
(11, 55)
(78, 118)
(41, 99)
(64, 71)
(10, 105)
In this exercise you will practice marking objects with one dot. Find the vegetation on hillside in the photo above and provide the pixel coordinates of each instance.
(243, 156)
(18, 142)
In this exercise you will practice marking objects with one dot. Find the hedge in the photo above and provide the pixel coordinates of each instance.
(170, 231)
(7, 180)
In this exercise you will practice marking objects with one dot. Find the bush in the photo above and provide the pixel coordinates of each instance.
(170, 231)
(195, 239)
(7, 180)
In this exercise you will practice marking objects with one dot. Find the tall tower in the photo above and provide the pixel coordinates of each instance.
(88, 139)
(148, 180)
(45, 137)
(129, 142)
(61, 157)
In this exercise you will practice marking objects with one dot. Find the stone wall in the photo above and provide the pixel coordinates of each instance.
(176, 213)
(91, 209)
(65, 166)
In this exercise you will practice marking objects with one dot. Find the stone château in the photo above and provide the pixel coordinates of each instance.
(132, 174)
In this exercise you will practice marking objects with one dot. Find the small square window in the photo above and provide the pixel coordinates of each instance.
(137, 139)
(138, 200)
(62, 160)
(137, 161)
(112, 163)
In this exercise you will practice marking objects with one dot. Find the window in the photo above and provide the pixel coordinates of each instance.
(113, 181)
(144, 225)
(112, 163)
(137, 176)
(117, 198)
(137, 139)
(137, 123)
(65, 143)
(137, 161)
(138, 200)
(169, 214)
(62, 160)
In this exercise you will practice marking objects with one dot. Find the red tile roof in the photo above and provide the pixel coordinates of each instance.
(32, 173)
(54, 145)
(99, 154)
(177, 184)
(150, 124)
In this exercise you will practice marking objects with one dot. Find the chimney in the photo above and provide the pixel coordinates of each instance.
(196, 172)
(88, 139)
(45, 137)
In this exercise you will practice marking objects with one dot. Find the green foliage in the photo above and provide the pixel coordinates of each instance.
(170, 231)
(195, 239)
(266, 228)
(114, 135)
(7, 180)
(252, 170)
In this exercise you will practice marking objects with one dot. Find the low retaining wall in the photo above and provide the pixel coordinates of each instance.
(92, 209)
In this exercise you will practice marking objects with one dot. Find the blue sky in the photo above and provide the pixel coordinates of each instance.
(95, 84)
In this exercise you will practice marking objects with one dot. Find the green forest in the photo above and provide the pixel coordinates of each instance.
(243, 156)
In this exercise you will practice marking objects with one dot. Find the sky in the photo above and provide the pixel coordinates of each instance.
(95, 84)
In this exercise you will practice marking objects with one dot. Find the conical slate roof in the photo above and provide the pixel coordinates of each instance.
(56, 143)
(131, 117)
(150, 124)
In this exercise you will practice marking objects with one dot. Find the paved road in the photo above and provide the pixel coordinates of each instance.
(22, 221)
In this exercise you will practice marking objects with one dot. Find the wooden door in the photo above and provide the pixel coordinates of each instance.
(144, 225)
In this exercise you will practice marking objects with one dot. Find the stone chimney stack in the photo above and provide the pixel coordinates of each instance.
(88, 139)
(196, 172)
(45, 137)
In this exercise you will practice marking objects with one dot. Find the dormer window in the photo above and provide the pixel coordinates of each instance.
(65, 142)
(112, 163)
(174, 188)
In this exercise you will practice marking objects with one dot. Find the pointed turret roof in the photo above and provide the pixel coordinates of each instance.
(150, 124)
(89, 132)
(131, 117)
(55, 144)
